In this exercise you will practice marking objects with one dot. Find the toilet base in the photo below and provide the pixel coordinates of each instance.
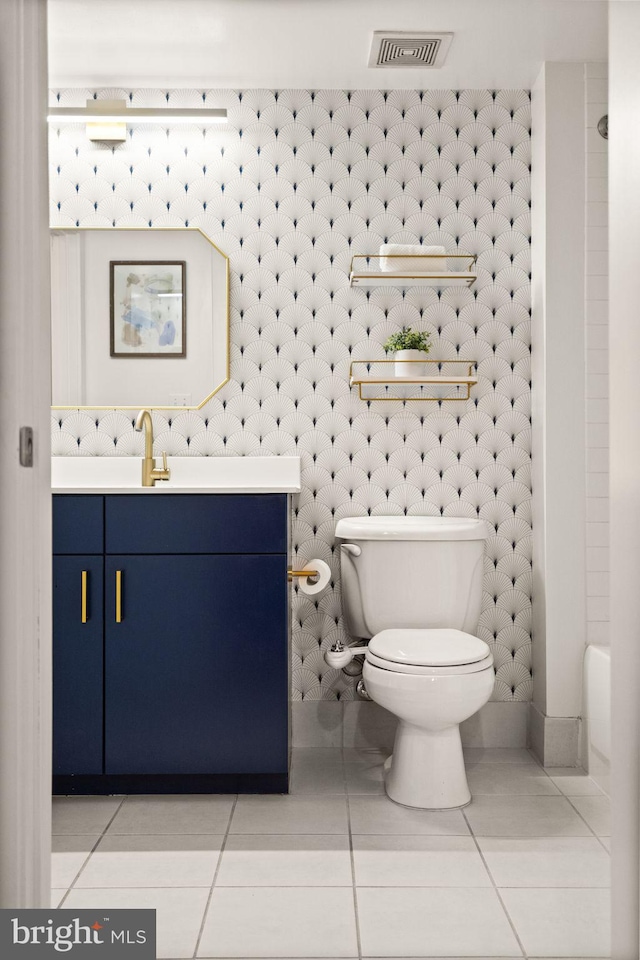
(427, 769)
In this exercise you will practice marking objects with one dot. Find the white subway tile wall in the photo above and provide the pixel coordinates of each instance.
(297, 183)
(597, 356)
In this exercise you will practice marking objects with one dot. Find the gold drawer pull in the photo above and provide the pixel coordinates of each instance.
(118, 596)
(83, 601)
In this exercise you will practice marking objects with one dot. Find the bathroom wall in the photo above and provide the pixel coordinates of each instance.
(298, 183)
(597, 356)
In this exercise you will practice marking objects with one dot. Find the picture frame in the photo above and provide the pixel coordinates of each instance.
(148, 309)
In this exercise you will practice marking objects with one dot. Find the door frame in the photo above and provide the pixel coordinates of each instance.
(25, 504)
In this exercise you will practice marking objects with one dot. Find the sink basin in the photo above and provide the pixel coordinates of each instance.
(188, 475)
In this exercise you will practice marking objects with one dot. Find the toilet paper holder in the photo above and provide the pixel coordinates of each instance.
(301, 573)
(313, 579)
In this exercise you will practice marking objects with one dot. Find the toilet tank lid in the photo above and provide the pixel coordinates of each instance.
(429, 648)
(412, 528)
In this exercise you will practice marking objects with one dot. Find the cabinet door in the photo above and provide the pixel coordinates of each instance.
(77, 664)
(196, 671)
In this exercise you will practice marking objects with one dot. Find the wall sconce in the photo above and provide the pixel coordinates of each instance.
(107, 119)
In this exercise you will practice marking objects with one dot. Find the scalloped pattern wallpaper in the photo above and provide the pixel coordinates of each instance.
(294, 185)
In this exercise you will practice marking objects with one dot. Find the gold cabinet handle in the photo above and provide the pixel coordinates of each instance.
(118, 596)
(83, 595)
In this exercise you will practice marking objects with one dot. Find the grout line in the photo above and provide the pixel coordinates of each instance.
(215, 877)
(495, 887)
(234, 886)
(352, 859)
(180, 833)
(573, 807)
(535, 758)
(342, 886)
(584, 820)
(91, 852)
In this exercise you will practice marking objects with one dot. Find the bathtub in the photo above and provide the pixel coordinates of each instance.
(596, 713)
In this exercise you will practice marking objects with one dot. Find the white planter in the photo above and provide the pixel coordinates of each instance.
(403, 369)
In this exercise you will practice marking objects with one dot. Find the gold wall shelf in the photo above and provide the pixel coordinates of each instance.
(423, 270)
(449, 383)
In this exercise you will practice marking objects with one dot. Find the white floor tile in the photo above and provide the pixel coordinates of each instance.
(67, 857)
(317, 724)
(365, 777)
(379, 815)
(284, 884)
(418, 862)
(156, 815)
(364, 755)
(509, 779)
(546, 861)
(524, 817)
(596, 811)
(179, 913)
(561, 923)
(322, 778)
(285, 861)
(433, 922)
(280, 922)
(287, 814)
(145, 861)
(76, 815)
(574, 782)
(316, 755)
(498, 755)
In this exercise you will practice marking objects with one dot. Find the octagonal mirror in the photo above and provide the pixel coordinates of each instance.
(140, 318)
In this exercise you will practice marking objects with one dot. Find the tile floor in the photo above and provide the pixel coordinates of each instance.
(337, 870)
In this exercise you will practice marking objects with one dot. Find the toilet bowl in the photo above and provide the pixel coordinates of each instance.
(412, 587)
(431, 680)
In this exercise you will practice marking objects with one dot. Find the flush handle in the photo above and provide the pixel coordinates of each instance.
(351, 548)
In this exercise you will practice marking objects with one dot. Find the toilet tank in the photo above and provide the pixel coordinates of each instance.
(411, 572)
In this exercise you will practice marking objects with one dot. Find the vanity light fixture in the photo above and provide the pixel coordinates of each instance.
(108, 119)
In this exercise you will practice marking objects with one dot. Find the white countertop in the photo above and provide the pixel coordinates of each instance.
(188, 475)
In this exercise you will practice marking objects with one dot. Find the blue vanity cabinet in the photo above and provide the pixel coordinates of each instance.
(196, 669)
(192, 663)
(77, 664)
(78, 635)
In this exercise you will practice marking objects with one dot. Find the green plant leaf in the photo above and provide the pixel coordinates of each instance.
(408, 339)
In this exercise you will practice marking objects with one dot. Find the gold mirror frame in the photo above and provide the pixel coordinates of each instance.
(156, 406)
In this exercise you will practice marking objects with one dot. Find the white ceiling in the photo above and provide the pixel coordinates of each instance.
(311, 43)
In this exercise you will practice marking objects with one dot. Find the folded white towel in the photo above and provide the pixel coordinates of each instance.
(411, 264)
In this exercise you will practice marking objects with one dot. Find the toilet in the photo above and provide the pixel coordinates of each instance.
(412, 587)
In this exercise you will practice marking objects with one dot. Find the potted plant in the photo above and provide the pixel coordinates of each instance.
(408, 344)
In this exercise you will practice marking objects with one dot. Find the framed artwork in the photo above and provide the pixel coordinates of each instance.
(148, 308)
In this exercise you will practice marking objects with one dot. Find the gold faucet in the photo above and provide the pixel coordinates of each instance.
(150, 473)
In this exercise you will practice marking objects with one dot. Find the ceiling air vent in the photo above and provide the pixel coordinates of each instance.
(400, 48)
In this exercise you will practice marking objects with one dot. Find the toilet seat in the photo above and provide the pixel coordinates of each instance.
(428, 652)
(416, 671)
